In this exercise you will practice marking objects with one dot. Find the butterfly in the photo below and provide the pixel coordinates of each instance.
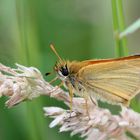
(115, 81)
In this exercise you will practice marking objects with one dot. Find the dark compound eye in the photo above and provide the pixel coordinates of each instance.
(65, 71)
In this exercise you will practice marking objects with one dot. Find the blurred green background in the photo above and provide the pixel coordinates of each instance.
(79, 29)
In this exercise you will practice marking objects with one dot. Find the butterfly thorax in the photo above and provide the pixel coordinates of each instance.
(68, 72)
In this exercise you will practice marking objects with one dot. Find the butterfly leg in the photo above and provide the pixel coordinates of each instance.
(71, 97)
(61, 84)
(93, 101)
(86, 105)
(53, 80)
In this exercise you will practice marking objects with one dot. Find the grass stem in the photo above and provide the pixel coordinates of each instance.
(118, 26)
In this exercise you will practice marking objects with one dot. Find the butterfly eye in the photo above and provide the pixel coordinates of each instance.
(65, 71)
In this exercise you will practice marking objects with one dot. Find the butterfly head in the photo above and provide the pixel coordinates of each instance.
(62, 69)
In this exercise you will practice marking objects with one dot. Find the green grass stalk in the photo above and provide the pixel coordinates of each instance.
(118, 26)
(27, 51)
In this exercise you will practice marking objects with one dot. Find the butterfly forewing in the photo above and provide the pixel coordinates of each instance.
(116, 81)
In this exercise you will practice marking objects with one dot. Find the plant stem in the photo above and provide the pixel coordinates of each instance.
(34, 117)
(118, 26)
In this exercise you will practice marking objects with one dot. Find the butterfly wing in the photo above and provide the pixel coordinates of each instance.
(115, 81)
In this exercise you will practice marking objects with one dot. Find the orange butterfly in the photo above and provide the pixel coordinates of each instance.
(115, 81)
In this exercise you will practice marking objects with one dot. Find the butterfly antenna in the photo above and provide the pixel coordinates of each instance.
(54, 50)
(47, 73)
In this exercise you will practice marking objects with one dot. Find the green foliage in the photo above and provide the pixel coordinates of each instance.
(119, 26)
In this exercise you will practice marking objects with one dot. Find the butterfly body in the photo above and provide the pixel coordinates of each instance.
(115, 81)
